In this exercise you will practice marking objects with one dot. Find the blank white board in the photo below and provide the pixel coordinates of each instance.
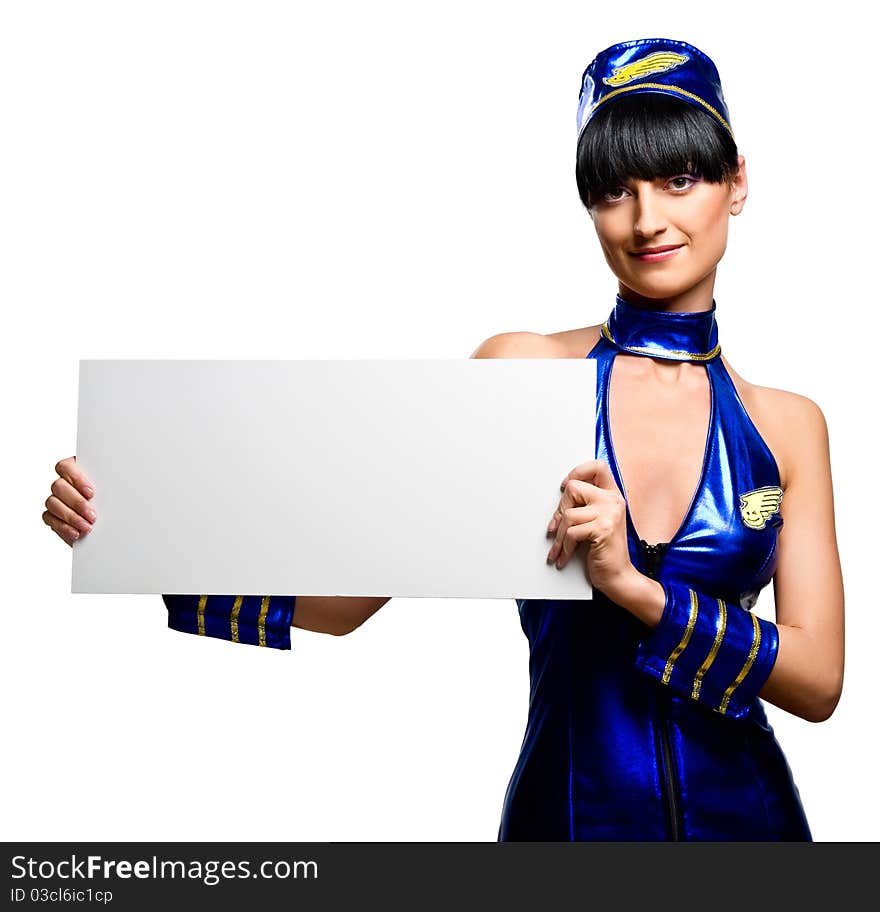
(410, 478)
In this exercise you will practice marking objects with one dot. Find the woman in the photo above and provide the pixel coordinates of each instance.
(645, 720)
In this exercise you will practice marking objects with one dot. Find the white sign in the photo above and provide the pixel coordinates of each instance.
(411, 478)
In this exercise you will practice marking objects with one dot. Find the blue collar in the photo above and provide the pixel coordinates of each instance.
(676, 336)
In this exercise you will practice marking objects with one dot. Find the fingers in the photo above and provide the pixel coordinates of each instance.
(70, 472)
(589, 493)
(574, 527)
(575, 494)
(586, 483)
(64, 531)
(69, 506)
(68, 512)
(596, 471)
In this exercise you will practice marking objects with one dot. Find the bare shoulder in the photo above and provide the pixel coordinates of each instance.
(518, 345)
(792, 425)
(578, 342)
(574, 343)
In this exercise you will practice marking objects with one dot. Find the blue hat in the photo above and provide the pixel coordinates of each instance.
(658, 65)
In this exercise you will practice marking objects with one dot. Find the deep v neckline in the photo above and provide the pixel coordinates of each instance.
(615, 466)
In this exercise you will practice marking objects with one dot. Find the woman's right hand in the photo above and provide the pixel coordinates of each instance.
(68, 512)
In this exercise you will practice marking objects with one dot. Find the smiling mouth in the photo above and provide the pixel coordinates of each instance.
(654, 254)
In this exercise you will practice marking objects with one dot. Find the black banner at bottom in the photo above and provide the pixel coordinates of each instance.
(317, 876)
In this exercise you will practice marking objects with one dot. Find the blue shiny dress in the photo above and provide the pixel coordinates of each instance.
(648, 734)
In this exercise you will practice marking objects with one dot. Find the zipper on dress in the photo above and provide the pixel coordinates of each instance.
(652, 555)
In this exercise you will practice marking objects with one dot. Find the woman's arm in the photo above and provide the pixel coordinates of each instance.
(265, 620)
(797, 663)
(337, 615)
(808, 584)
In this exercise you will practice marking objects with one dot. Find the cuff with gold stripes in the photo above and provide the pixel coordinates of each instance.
(710, 650)
(260, 620)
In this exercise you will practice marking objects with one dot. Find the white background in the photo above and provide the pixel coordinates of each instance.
(260, 180)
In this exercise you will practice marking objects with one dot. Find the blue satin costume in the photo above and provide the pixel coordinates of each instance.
(635, 733)
(258, 620)
(644, 734)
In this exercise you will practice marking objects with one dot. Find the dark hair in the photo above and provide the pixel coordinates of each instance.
(646, 135)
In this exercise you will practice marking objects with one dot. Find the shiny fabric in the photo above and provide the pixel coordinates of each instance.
(256, 620)
(672, 336)
(644, 734)
(657, 65)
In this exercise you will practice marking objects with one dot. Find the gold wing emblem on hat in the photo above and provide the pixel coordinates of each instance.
(756, 506)
(659, 62)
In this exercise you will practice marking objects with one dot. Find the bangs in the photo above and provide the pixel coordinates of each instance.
(644, 136)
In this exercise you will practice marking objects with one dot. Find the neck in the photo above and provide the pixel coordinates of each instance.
(676, 335)
(697, 298)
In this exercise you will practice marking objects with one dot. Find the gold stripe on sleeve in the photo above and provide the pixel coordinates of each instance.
(692, 620)
(719, 636)
(233, 618)
(756, 642)
(200, 614)
(261, 621)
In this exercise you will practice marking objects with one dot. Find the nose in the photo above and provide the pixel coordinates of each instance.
(650, 218)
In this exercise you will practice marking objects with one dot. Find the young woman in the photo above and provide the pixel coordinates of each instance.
(645, 716)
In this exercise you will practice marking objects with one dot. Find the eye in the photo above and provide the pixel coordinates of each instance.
(611, 196)
(682, 182)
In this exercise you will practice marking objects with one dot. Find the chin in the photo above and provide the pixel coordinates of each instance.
(659, 286)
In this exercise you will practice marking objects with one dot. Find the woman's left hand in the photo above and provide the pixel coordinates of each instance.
(593, 510)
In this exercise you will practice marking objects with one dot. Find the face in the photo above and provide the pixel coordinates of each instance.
(682, 212)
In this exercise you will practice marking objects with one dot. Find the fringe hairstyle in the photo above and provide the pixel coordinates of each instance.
(644, 136)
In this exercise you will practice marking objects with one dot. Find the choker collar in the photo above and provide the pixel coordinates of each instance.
(676, 336)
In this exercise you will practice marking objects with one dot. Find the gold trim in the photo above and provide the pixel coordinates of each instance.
(200, 614)
(659, 353)
(756, 642)
(261, 620)
(233, 618)
(692, 620)
(719, 636)
(669, 88)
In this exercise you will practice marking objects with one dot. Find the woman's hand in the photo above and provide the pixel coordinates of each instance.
(68, 512)
(593, 510)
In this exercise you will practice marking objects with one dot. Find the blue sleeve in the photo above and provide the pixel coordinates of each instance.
(260, 620)
(712, 651)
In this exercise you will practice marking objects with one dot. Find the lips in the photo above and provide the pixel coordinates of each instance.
(663, 249)
(655, 254)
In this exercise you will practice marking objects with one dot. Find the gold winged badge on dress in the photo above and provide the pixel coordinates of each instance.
(756, 506)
